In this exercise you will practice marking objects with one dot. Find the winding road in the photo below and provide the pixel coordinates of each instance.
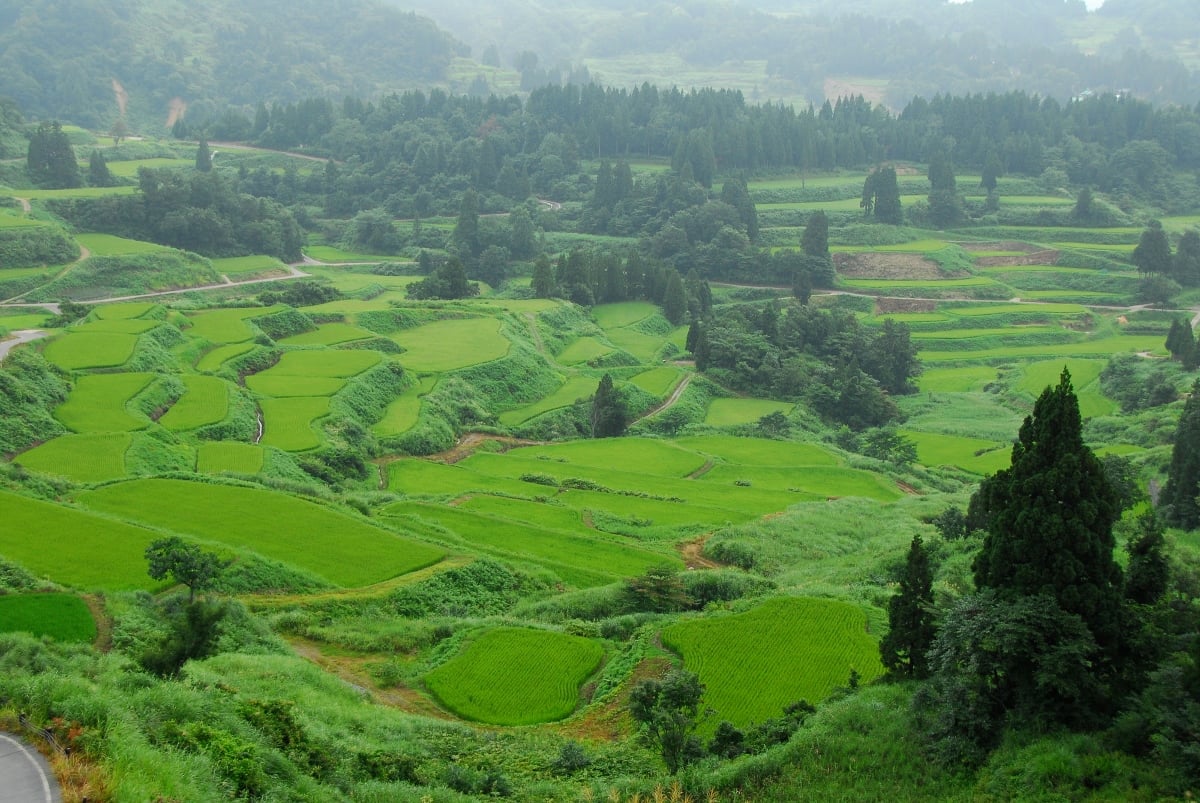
(25, 777)
(18, 337)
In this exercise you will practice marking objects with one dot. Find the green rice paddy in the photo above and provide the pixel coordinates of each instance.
(213, 457)
(583, 350)
(213, 359)
(205, 401)
(123, 312)
(226, 325)
(108, 245)
(450, 345)
(328, 334)
(976, 455)
(658, 381)
(81, 458)
(516, 676)
(98, 403)
(755, 664)
(627, 313)
(62, 617)
(288, 423)
(94, 350)
(239, 267)
(735, 412)
(345, 550)
(402, 414)
(571, 391)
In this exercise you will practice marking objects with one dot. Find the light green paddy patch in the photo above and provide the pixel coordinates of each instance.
(80, 458)
(451, 344)
(658, 381)
(341, 364)
(328, 334)
(205, 401)
(759, 451)
(576, 388)
(402, 414)
(226, 325)
(1100, 346)
(1085, 377)
(583, 350)
(94, 350)
(123, 312)
(108, 245)
(977, 455)
(967, 379)
(651, 456)
(327, 253)
(968, 334)
(213, 359)
(129, 168)
(214, 457)
(288, 423)
(626, 313)
(135, 326)
(982, 310)
(98, 403)
(241, 266)
(733, 412)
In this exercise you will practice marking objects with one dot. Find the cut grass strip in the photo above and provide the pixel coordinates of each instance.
(98, 403)
(343, 549)
(205, 401)
(81, 458)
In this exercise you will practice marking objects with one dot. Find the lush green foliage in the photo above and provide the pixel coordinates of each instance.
(64, 617)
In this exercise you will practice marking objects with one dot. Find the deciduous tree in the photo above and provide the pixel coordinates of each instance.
(186, 563)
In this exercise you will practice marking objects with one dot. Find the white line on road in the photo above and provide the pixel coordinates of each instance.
(49, 798)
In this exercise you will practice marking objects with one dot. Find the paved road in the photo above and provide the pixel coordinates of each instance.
(25, 777)
(20, 336)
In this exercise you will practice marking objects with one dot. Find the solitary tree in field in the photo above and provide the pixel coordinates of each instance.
(608, 414)
(910, 617)
(815, 241)
(204, 157)
(668, 711)
(186, 563)
(1153, 251)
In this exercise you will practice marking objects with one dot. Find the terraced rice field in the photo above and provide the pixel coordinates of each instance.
(240, 267)
(205, 401)
(343, 549)
(516, 676)
(81, 458)
(74, 352)
(627, 313)
(967, 379)
(450, 345)
(583, 350)
(755, 664)
(122, 312)
(658, 381)
(579, 559)
(571, 391)
(1084, 348)
(213, 457)
(74, 547)
(226, 325)
(402, 414)
(1085, 377)
(98, 403)
(108, 245)
(328, 334)
(734, 412)
(213, 359)
(288, 424)
(62, 617)
(976, 455)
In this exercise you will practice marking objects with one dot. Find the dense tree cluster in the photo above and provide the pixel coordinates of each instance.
(50, 159)
(843, 370)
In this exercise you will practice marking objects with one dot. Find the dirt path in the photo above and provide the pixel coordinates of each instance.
(471, 441)
(18, 337)
(26, 207)
(237, 146)
(692, 553)
(375, 591)
(700, 472)
(104, 628)
(671, 400)
(537, 334)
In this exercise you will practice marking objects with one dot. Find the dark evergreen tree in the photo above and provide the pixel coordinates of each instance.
(204, 157)
(1083, 205)
(945, 207)
(815, 241)
(1153, 252)
(543, 277)
(466, 229)
(911, 628)
(608, 414)
(881, 196)
(1149, 572)
(1178, 498)
(1049, 520)
(992, 170)
(50, 159)
(1186, 268)
(735, 193)
(675, 299)
(98, 172)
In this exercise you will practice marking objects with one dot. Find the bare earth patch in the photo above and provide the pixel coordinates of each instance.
(894, 306)
(887, 266)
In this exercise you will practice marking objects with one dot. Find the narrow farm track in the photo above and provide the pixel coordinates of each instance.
(536, 333)
(692, 553)
(104, 625)
(26, 207)
(471, 441)
(84, 254)
(671, 400)
(19, 337)
(236, 146)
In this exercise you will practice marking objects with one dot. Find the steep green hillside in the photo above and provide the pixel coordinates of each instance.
(82, 61)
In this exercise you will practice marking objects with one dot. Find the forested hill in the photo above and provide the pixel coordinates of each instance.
(887, 50)
(66, 59)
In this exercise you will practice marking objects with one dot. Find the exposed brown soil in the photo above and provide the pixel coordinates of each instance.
(471, 441)
(887, 266)
(1046, 257)
(908, 489)
(700, 472)
(884, 306)
(692, 553)
(848, 88)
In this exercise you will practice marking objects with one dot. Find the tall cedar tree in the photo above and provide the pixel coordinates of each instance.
(98, 172)
(466, 229)
(1049, 520)
(674, 299)
(1187, 259)
(881, 196)
(945, 207)
(815, 241)
(608, 414)
(543, 277)
(1153, 252)
(203, 157)
(910, 617)
(1178, 498)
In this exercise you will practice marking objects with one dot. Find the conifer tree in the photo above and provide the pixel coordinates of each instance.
(50, 159)
(1178, 497)
(608, 414)
(543, 277)
(675, 299)
(815, 241)
(1186, 266)
(911, 628)
(1049, 520)
(98, 172)
(1153, 251)
(203, 157)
